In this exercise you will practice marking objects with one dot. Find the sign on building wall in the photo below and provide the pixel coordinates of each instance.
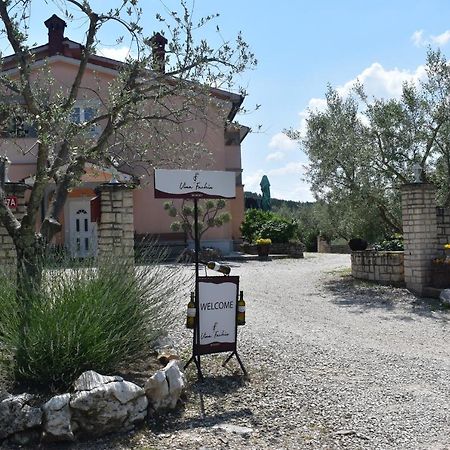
(194, 184)
(217, 303)
(11, 201)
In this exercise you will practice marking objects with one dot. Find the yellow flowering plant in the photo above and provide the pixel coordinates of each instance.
(444, 259)
(263, 241)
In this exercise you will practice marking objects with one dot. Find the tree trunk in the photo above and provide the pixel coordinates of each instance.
(30, 250)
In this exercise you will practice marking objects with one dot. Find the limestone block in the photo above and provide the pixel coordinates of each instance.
(107, 218)
(444, 297)
(128, 201)
(57, 419)
(17, 416)
(117, 195)
(104, 404)
(164, 388)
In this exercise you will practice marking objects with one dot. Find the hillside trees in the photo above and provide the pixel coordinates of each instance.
(362, 150)
(129, 127)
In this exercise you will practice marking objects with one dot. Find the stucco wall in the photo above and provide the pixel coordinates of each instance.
(149, 215)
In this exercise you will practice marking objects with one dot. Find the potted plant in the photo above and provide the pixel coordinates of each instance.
(440, 270)
(263, 247)
(357, 244)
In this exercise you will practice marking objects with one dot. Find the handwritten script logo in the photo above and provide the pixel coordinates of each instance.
(195, 185)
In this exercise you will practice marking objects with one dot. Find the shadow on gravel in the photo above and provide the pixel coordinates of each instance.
(178, 422)
(211, 389)
(364, 296)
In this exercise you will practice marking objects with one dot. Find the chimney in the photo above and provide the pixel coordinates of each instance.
(55, 27)
(158, 42)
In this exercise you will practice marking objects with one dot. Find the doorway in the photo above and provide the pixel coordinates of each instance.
(82, 232)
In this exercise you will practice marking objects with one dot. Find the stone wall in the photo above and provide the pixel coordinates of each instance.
(340, 248)
(443, 228)
(8, 257)
(382, 267)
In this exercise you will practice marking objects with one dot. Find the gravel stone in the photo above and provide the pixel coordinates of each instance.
(333, 363)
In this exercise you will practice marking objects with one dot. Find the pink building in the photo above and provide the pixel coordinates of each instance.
(219, 135)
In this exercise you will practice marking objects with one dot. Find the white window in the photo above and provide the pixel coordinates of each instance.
(85, 113)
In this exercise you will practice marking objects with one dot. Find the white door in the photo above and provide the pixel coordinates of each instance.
(83, 233)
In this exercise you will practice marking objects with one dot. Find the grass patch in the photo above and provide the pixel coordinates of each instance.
(342, 271)
(86, 318)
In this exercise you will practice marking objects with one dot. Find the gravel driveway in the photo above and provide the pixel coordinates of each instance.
(333, 364)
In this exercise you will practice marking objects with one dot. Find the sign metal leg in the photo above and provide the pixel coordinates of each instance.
(239, 361)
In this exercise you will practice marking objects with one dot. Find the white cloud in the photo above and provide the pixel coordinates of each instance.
(418, 39)
(277, 156)
(281, 142)
(441, 39)
(384, 83)
(289, 168)
(298, 192)
(116, 53)
(378, 82)
(252, 180)
(281, 186)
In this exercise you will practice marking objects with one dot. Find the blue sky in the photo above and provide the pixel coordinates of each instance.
(301, 47)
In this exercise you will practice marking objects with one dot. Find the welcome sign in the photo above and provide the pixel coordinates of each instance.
(217, 303)
(194, 184)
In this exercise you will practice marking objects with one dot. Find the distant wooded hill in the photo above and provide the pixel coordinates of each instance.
(253, 200)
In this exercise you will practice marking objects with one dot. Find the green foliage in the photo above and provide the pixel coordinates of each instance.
(266, 224)
(361, 150)
(304, 215)
(210, 215)
(135, 115)
(253, 220)
(82, 319)
(9, 338)
(393, 243)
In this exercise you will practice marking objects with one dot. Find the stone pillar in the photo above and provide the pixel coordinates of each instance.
(323, 246)
(419, 234)
(8, 257)
(116, 227)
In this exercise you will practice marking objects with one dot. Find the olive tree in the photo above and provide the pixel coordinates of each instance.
(210, 213)
(362, 149)
(141, 109)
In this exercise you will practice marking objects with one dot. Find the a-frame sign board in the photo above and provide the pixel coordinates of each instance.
(215, 297)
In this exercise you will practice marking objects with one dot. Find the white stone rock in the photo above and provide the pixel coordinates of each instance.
(57, 419)
(16, 415)
(164, 388)
(90, 380)
(114, 405)
(176, 381)
(231, 428)
(157, 390)
(445, 296)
